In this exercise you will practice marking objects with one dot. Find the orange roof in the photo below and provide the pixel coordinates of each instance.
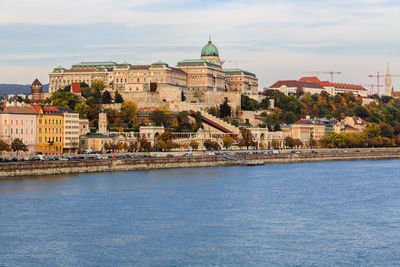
(37, 108)
(28, 110)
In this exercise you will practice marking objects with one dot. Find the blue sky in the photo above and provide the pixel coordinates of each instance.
(274, 39)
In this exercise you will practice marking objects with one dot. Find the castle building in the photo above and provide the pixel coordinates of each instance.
(84, 72)
(201, 80)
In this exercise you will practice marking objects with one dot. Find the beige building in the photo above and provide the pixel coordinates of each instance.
(84, 126)
(242, 81)
(355, 122)
(71, 130)
(86, 72)
(94, 142)
(302, 129)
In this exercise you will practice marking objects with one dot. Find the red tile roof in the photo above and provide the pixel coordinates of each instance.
(303, 122)
(25, 110)
(349, 86)
(294, 83)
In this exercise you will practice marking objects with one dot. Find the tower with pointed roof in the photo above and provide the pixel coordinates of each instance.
(36, 91)
(210, 53)
(388, 82)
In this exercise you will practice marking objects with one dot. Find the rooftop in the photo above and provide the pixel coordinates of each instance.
(239, 71)
(198, 62)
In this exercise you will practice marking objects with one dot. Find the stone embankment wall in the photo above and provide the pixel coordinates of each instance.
(41, 168)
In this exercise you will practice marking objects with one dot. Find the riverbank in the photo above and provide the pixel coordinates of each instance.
(42, 168)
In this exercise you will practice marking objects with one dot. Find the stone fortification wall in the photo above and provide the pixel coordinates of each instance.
(19, 169)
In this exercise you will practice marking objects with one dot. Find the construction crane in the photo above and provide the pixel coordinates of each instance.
(325, 72)
(372, 86)
(379, 75)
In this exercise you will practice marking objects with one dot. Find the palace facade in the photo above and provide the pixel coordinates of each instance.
(201, 81)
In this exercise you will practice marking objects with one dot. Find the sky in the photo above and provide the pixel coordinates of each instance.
(276, 40)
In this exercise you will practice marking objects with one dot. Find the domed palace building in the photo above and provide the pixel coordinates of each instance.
(207, 74)
(200, 80)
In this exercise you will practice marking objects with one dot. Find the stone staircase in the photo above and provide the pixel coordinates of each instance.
(218, 121)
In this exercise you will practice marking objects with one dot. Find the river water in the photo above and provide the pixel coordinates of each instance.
(313, 214)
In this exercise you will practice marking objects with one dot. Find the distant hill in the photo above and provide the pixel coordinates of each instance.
(19, 88)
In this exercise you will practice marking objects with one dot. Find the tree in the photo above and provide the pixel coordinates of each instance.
(298, 142)
(65, 99)
(106, 98)
(112, 115)
(118, 97)
(134, 146)
(144, 144)
(387, 130)
(107, 146)
(227, 141)
(289, 142)
(248, 104)
(161, 145)
(198, 119)
(4, 146)
(275, 144)
(194, 145)
(17, 145)
(265, 104)
(225, 110)
(82, 109)
(247, 137)
(277, 127)
(175, 123)
(158, 117)
(129, 112)
(312, 142)
(373, 130)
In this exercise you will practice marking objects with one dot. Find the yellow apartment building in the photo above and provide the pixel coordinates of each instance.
(50, 121)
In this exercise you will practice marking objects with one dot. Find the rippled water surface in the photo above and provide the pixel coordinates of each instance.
(313, 214)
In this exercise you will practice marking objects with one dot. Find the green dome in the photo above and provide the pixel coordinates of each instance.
(209, 50)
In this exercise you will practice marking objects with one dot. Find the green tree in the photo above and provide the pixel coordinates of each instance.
(118, 97)
(194, 145)
(198, 119)
(289, 142)
(248, 103)
(373, 130)
(65, 99)
(298, 142)
(247, 138)
(106, 97)
(82, 109)
(129, 112)
(4, 146)
(227, 141)
(225, 110)
(17, 145)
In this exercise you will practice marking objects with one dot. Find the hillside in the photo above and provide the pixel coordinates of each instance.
(19, 88)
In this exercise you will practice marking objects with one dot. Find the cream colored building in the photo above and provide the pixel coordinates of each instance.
(86, 72)
(242, 81)
(71, 130)
(84, 126)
